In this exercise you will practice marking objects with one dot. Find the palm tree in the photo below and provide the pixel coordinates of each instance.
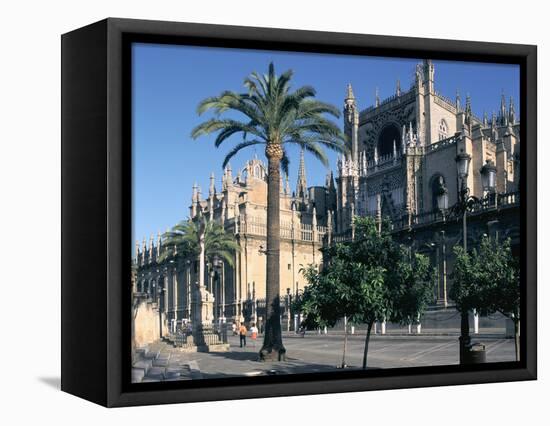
(275, 117)
(183, 240)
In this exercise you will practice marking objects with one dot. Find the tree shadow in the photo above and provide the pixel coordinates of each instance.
(238, 356)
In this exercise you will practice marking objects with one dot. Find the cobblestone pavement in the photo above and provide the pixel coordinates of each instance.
(312, 353)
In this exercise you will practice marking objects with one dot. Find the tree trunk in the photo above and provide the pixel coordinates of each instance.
(273, 343)
(345, 344)
(464, 339)
(367, 340)
(516, 337)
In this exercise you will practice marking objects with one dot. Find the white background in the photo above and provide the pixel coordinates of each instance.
(30, 210)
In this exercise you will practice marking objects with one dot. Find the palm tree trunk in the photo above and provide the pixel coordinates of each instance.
(367, 340)
(273, 343)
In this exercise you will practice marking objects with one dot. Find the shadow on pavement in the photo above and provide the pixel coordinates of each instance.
(237, 356)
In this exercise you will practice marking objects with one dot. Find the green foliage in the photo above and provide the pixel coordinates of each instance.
(273, 114)
(413, 281)
(369, 279)
(487, 279)
(183, 241)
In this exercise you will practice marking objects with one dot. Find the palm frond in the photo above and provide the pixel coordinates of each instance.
(238, 148)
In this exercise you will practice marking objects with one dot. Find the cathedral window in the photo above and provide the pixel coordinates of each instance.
(386, 139)
(443, 130)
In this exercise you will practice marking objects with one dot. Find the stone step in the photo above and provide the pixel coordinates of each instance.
(155, 373)
(137, 375)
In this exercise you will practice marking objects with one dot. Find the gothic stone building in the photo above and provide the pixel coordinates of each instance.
(403, 153)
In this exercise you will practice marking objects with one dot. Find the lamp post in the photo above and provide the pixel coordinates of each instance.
(160, 292)
(288, 309)
(219, 293)
(463, 165)
(189, 293)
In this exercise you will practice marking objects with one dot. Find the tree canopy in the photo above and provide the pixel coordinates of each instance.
(371, 278)
(183, 240)
(487, 280)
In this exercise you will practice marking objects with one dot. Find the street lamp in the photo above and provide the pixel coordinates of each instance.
(488, 179)
(442, 195)
(463, 166)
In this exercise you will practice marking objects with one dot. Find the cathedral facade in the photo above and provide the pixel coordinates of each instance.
(403, 154)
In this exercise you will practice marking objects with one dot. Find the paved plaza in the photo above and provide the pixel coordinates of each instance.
(312, 353)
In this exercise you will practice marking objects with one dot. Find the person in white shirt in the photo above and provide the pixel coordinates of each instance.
(253, 334)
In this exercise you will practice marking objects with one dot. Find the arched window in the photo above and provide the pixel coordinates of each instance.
(386, 139)
(443, 130)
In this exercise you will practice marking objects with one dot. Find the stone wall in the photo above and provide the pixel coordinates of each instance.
(146, 324)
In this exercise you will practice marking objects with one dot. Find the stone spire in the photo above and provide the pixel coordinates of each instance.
(151, 246)
(314, 219)
(457, 100)
(144, 249)
(194, 200)
(377, 98)
(485, 119)
(502, 114)
(494, 132)
(350, 96)
(287, 186)
(227, 178)
(199, 197)
(159, 243)
(351, 121)
(512, 112)
(211, 195)
(468, 111)
(195, 193)
(212, 189)
(398, 88)
(429, 72)
(301, 186)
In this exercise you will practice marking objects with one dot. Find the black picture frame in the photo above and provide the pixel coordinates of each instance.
(96, 211)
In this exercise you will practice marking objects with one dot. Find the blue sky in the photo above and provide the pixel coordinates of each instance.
(168, 82)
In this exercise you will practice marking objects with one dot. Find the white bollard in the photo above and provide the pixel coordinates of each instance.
(325, 330)
(418, 328)
(383, 327)
(375, 327)
(352, 329)
(345, 324)
(410, 328)
(476, 322)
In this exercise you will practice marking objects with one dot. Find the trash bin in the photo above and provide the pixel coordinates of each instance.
(476, 354)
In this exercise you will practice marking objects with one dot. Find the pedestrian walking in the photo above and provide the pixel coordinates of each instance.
(303, 329)
(253, 334)
(242, 335)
